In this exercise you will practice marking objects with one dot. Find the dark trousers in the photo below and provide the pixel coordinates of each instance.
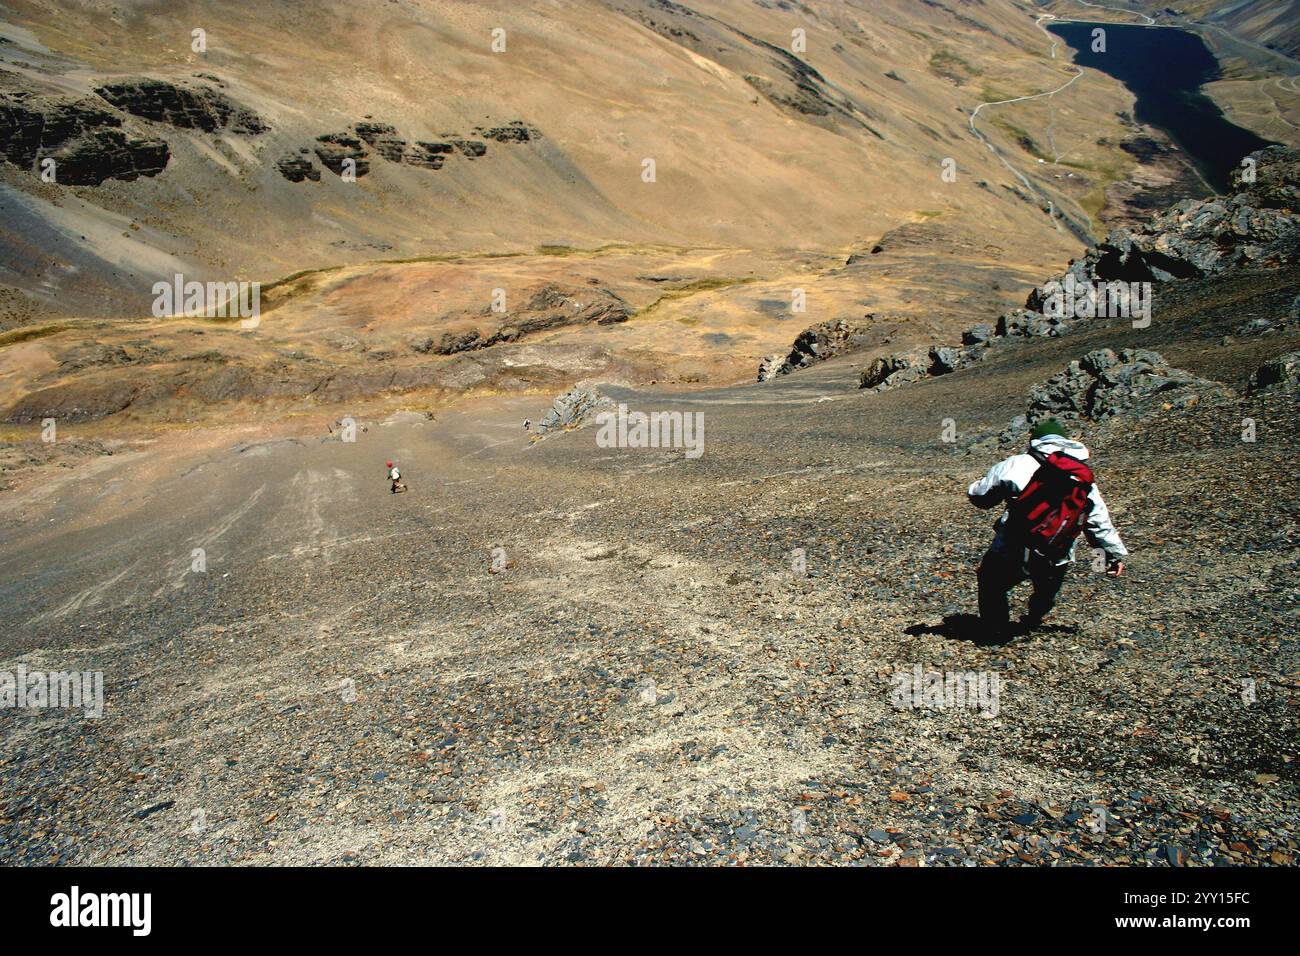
(1000, 572)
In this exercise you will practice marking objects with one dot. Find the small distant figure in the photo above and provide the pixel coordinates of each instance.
(527, 424)
(395, 477)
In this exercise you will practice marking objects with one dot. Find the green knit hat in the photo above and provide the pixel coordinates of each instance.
(1048, 426)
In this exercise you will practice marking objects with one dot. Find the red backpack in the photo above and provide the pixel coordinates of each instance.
(1049, 514)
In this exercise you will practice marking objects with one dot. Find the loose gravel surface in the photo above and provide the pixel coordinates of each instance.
(555, 653)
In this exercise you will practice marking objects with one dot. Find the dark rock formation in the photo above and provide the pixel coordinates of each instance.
(515, 132)
(73, 402)
(373, 131)
(201, 107)
(1025, 324)
(901, 368)
(1256, 225)
(30, 124)
(1283, 370)
(427, 155)
(334, 149)
(814, 344)
(297, 168)
(109, 154)
(382, 138)
(890, 371)
(470, 148)
(85, 141)
(1104, 383)
(550, 307)
(553, 306)
(451, 342)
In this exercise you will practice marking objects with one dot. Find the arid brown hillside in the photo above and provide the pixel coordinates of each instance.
(459, 148)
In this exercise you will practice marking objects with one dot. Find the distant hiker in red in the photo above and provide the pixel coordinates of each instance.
(1051, 496)
(395, 477)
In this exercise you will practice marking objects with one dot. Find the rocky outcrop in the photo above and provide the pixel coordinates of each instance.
(770, 367)
(74, 402)
(382, 139)
(1021, 323)
(296, 168)
(450, 343)
(1257, 224)
(335, 149)
(1283, 371)
(902, 368)
(470, 148)
(31, 124)
(815, 344)
(109, 154)
(549, 307)
(86, 141)
(552, 306)
(577, 407)
(890, 371)
(517, 131)
(426, 155)
(1132, 382)
(200, 107)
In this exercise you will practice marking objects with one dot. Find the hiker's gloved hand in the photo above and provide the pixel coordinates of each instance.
(1114, 569)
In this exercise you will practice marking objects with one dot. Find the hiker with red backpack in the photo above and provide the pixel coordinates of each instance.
(1051, 495)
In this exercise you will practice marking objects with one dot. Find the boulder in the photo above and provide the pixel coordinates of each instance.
(575, 408)
(945, 359)
(1283, 371)
(817, 343)
(890, 371)
(770, 368)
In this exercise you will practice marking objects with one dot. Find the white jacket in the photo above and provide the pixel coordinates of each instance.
(1007, 479)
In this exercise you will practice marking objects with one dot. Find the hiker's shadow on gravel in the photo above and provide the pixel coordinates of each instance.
(963, 627)
(967, 627)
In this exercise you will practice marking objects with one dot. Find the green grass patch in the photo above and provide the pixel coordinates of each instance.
(1023, 139)
(14, 336)
(707, 284)
(949, 65)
